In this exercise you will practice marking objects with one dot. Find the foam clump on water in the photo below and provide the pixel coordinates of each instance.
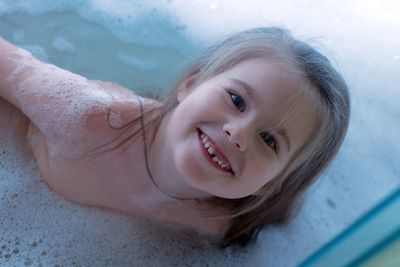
(62, 44)
(138, 63)
(56, 100)
(18, 36)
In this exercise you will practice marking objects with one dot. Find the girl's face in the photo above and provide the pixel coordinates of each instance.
(253, 116)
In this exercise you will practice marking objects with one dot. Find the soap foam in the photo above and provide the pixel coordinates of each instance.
(56, 100)
(137, 63)
(18, 36)
(62, 44)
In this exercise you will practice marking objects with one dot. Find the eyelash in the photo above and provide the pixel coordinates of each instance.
(268, 138)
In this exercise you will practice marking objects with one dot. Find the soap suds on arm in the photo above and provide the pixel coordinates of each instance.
(57, 101)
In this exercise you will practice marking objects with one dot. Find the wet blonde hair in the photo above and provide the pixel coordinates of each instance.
(283, 193)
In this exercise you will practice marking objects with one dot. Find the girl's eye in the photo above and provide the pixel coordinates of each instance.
(238, 101)
(269, 140)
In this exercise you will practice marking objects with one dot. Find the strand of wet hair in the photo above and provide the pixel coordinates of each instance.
(146, 158)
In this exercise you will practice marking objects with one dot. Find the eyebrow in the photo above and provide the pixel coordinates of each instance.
(251, 92)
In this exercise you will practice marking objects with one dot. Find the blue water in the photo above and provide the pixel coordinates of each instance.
(93, 51)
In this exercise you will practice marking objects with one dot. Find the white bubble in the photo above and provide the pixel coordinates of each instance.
(62, 44)
(140, 64)
(18, 36)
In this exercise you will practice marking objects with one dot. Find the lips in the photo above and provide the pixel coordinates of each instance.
(213, 153)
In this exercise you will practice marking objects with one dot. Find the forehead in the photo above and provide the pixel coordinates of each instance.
(268, 76)
(279, 96)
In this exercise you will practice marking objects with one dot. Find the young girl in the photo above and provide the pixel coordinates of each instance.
(231, 149)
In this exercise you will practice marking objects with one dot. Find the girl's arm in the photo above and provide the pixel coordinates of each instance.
(62, 104)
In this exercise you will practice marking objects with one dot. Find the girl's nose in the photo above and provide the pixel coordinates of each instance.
(237, 136)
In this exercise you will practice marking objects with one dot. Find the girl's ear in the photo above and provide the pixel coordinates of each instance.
(186, 86)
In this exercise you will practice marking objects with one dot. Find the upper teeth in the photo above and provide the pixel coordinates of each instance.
(210, 151)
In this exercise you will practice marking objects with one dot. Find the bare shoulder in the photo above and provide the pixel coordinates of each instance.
(102, 123)
(126, 105)
(125, 109)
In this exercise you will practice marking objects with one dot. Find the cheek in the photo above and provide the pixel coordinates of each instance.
(185, 163)
(187, 159)
(261, 170)
(190, 108)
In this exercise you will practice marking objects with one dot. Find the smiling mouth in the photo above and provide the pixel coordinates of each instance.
(214, 157)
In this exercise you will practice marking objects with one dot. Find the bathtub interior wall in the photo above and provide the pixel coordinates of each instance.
(144, 46)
